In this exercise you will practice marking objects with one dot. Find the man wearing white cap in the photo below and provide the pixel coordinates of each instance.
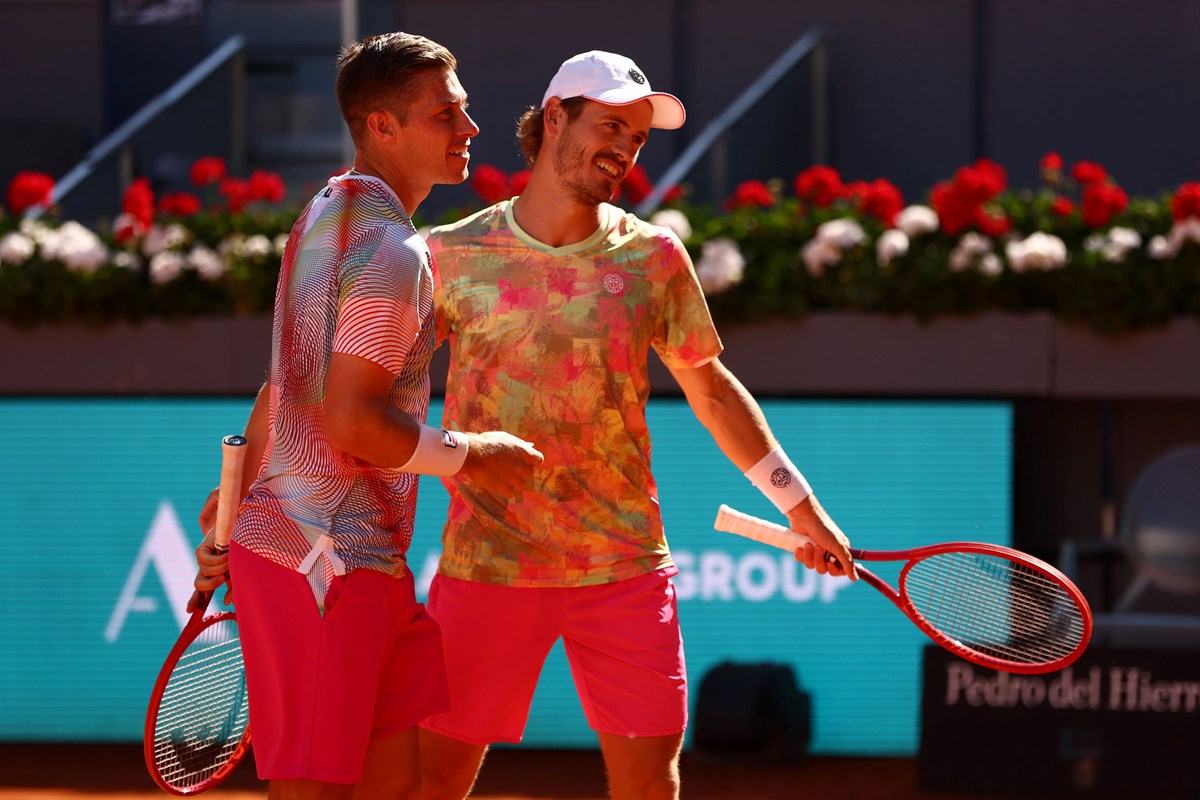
(551, 303)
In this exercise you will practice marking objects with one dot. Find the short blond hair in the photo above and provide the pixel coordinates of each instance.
(377, 74)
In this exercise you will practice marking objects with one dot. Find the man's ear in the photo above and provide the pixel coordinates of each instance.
(382, 125)
(552, 115)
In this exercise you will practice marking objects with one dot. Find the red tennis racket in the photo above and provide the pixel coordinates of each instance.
(197, 723)
(992, 605)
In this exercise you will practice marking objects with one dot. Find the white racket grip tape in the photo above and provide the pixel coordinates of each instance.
(229, 495)
(731, 520)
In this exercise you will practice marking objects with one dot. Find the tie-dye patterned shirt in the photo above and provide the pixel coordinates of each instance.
(551, 344)
(356, 278)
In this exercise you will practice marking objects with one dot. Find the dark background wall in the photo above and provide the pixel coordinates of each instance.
(918, 87)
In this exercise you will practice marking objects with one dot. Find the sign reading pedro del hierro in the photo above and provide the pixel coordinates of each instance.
(1117, 721)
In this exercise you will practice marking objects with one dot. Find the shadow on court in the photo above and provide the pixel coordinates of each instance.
(116, 772)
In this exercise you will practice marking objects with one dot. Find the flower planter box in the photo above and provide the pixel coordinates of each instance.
(829, 354)
(227, 356)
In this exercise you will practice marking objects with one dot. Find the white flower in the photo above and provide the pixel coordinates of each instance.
(163, 237)
(1039, 251)
(126, 260)
(721, 265)
(424, 231)
(990, 264)
(38, 231)
(16, 248)
(257, 246)
(969, 249)
(917, 219)
(236, 245)
(818, 254)
(1160, 249)
(1114, 245)
(891, 244)
(166, 266)
(76, 246)
(231, 245)
(1127, 238)
(281, 241)
(1120, 241)
(206, 262)
(844, 233)
(674, 219)
(1187, 230)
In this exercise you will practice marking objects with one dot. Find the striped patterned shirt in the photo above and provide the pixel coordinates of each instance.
(356, 278)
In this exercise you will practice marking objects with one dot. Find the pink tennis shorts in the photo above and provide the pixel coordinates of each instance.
(622, 641)
(321, 688)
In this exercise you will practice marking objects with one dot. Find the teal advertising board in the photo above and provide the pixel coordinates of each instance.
(98, 518)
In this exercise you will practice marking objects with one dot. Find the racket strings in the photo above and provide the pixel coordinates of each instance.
(203, 714)
(997, 607)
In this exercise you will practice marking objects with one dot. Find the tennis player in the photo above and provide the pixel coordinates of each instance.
(551, 303)
(341, 661)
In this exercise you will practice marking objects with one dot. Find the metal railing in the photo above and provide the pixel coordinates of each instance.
(778, 125)
(164, 135)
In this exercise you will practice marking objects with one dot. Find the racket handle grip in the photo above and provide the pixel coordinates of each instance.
(233, 457)
(730, 520)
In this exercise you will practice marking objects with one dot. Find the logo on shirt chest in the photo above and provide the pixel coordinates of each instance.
(614, 283)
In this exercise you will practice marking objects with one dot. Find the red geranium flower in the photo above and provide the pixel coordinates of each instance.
(819, 185)
(265, 186)
(1051, 167)
(879, 198)
(992, 222)
(179, 204)
(28, 189)
(126, 228)
(207, 170)
(1186, 202)
(236, 193)
(750, 194)
(1062, 206)
(1086, 173)
(490, 183)
(1101, 202)
(959, 203)
(139, 201)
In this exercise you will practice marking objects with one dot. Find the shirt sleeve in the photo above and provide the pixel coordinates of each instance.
(379, 309)
(686, 336)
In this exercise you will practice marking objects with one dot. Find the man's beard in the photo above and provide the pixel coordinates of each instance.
(570, 163)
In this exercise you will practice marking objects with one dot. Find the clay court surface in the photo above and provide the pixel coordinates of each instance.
(116, 772)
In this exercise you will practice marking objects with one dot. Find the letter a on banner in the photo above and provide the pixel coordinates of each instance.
(167, 548)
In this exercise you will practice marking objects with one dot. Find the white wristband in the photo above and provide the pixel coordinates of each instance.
(438, 452)
(777, 477)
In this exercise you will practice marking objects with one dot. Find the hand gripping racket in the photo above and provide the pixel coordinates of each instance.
(992, 605)
(197, 724)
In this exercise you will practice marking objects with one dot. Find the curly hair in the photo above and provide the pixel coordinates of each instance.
(532, 125)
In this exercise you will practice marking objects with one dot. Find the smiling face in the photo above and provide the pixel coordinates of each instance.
(435, 132)
(594, 152)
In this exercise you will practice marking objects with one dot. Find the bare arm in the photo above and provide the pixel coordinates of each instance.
(737, 424)
(359, 421)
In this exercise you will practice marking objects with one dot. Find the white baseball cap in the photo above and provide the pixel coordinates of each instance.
(616, 81)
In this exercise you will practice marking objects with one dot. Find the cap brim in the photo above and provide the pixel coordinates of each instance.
(669, 113)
